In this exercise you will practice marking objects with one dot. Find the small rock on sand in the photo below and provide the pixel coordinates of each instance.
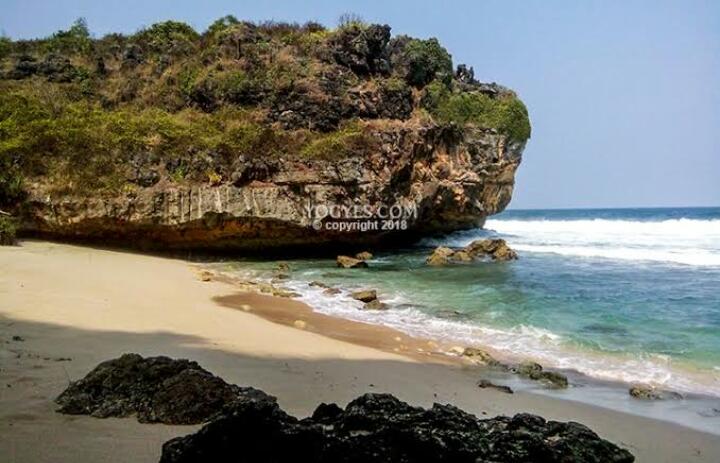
(535, 372)
(205, 275)
(647, 392)
(456, 350)
(299, 324)
(479, 356)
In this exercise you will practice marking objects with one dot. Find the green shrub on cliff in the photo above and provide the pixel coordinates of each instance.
(8, 231)
(426, 60)
(348, 141)
(5, 47)
(74, 40)
(503, 112)
(170, 37)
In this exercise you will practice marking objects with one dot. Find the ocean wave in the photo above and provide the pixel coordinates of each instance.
(518, 342)
(679, 241)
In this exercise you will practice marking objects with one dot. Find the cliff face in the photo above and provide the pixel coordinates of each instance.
(437, 179)
(377, 141)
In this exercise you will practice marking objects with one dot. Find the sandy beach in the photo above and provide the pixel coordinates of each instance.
(64, 309)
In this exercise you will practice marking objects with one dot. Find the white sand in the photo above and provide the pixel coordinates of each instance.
(92, 305)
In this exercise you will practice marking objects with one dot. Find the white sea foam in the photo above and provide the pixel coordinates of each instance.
(519, 342)
(679, 241)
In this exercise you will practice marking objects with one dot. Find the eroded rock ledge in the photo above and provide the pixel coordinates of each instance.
(447, 179)
(246, 424)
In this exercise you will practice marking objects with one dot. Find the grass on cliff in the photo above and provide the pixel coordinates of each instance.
(8, 230)
(79, 146)
(504, 112)
(85, 114)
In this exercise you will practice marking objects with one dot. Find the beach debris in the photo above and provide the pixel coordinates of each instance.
(479, 356)
(17, 338)
(350, 262)
(535, 372)
(487, 384)
(647, 392)
(376, 428)
(496, 249)
(156, 389)
(365, 295)
(205, 275)
(375, 304)
(364, 255)
(300, 324)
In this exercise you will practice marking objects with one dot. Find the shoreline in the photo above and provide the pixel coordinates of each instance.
(583, 388)
(114, 302)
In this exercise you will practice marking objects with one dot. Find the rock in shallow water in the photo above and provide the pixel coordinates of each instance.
(535, 372)
(375, 304)
(381, 428)
(350, 262)
(645, 392)
(365, 295)
(496, 249)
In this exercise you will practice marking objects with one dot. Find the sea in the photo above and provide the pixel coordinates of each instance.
(619, 296)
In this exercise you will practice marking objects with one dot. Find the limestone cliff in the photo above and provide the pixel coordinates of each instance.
(369, 130)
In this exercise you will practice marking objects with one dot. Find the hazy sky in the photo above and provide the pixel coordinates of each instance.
(624, 96)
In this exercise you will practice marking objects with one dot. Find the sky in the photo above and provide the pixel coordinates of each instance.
(624, 96)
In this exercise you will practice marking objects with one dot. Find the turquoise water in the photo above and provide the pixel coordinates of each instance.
(617, 294)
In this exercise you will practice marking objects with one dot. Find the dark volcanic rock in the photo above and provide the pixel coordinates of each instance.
(157, 389)
(381, 428)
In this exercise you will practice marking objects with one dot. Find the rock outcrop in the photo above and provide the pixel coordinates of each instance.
(647, 392)
(253, 137)
(365, 295)
(350, 262)
(495, 249)
(442, 179)
(381, 428)
(246, 424)
(156, 389)
(536, 372)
